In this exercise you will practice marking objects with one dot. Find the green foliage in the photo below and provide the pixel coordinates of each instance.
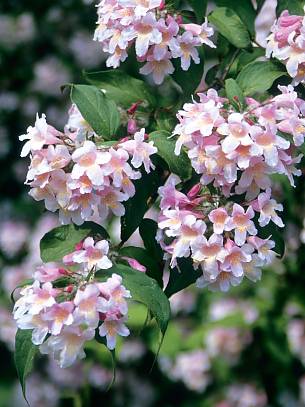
(244, 9)
(259, 76)
(122, 88)
(230, 26)
(137, 206)
(165, 144)
(293, 6)
(145, 290)
(100, 112)
(181, 276)
(24, 355)
(62, 240)
(148, 231)
(153, 269)
(199, 7)
(234, 94)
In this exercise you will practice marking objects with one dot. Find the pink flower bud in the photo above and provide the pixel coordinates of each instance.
(132, 126)
(194, 191)
(79, 245)
(179, 20)
(162, 5)
(135, 264)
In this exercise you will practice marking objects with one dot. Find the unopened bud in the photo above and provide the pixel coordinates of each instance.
(132, 126)
(194, 191)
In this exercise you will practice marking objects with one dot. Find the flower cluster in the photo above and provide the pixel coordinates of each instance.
(77, 176)
(287, 43)
(157, 35)
(234, 153)
(66, 306)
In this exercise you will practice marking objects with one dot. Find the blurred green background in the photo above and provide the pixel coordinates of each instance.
(241, 349)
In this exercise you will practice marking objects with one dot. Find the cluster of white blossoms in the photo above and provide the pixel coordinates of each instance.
(73, 174)
(287, 43)
(66, 306)
(157, 35)
(234, 154)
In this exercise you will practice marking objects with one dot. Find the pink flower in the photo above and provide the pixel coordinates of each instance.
(58, 316)
(39, 135)
(235, 259)
(158, 68)
(220, 218)
(147, 34)
(47, 272)
(88, 162)
(67, 347)
(203, 32)
(135, 264)
(267, 208)
(264, 248)
(241, 223)
(93, 254)
(236, 132)
(39, 326)
(186, 50)
(88, 305)
(208, 253)
(111, 328)
(140, 150)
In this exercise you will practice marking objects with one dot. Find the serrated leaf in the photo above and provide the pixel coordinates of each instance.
(148, 231)
(234, 94)
(25, 352)
(62, 240)
(153, 269)
(230, 26)
(258, 76)
(293, 6)
(179, 165)
(181, 277)
(121, 87)
(100, 112)
(137, 206)
(145, 290)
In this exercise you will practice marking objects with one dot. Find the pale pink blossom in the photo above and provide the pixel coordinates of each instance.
(58, 316)
(111, 328)
(242, 224)
(267, 208)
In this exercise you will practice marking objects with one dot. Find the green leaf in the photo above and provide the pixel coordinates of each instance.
(62, 240)
(234, 94)
(293, 6)
(199, 7)
(179, 165)
(25, 352)
(148, 231)
(145, 290)
(165, 120)
(181, 277)
(230, 26)
(258, 76)
(99, 111)
(137, 206)
(122, 88)
(153, 269)
(244, 58)
(244, 9)
(189, 80)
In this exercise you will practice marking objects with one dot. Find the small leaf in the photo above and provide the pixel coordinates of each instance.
(25, 352)
(234, 94)
(145, 290)
(99, 111)
(137, 206)
(153, 269)
(230, 26)
(293, 6)
(62, 240)
(122, 88)
(148, 231)
(165, 120)
(181, 277)
(258, 76)
(179, 165)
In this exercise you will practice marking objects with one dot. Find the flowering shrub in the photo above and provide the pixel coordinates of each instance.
(188, 169)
